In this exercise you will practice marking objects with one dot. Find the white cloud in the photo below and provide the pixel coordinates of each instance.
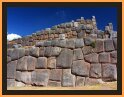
(13, 36)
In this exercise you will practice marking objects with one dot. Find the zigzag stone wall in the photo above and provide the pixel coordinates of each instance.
(64, 62)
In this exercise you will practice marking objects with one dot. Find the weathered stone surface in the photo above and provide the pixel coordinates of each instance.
(91, 81)
(19, 84)
(22, 63)
(93, 57)
(80, 81)
(109, 45)
(80, 68)
(61, 36)
(51, 62)
(41, 62)
(26, 52)
(88, 41)
(79, 43)
(55, 51)
(95, 70)
(9, 52)
(8, 59)
(41, 51)
(113, 55)
(40, 77)
(109, 72)
(15, 54)
(47, 43)
(39, 44)
(11, 69)
(64, 60)
(18, 75)
(70, 43)
(87, 50)
(99, 46)
(78, 54)
(48, 51)
(10, 82)
(26, 77)
(104, 57)
(34, 51)
(55, 74)
(68, 80)
(61, 43)
(81, 34)
(21, 52)
(115, 43)
(31, 63)
(54, 84)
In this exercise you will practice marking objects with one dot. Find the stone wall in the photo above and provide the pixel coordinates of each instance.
(63, 63)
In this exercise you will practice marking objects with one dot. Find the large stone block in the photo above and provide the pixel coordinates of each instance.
(8, 59)
(88, 41)
(78, 54)
(48, 51)
(99, 46)
(21, 52)
(41, 51)
(70, 43)
(55, 51)
(26, 52)
(80, 68)
(31, 63)
(79, 43)
(55, 74)
(109, 45)
(68, 80)
(81, 34)
(109, 72)
(61, 43)
(87, 50)
(104, 57)
(95, 70)
(115, 43)
(26, 77)
(9, 52)
(11, 69)
(34, 51)
(80, 81)
(19, 84)
(40, 77)
(10, 82)
(39, 44)
(113, 55)
(93, 58)
(15, 54)
(22, 64)
(51, 62)
(91, 81)
(47, 43)
(64, 60)
(18, 75)
(54, 84)
(41, 62)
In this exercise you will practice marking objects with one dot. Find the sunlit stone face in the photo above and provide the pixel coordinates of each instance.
(62, 36)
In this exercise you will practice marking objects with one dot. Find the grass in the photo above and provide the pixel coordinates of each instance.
(104, 86)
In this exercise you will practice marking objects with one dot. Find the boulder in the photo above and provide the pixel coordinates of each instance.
(41, 62)
(79, 43)
(104, 57)
(109, 45)
(34, 51)
(64, 60)
(51, 62)
(80, 68)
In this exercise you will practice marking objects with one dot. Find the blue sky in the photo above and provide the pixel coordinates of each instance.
(27, 20)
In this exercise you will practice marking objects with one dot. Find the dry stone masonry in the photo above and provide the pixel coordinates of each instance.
(72, 54)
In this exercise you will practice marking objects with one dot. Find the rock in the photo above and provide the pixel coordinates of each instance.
(54, 42)
(87, 50)
(70, 43)
(95, 70)
(26, 52)
(26, 77)
(99, 45)
(41, 62)
(31, 63)
(55, 51)
(40, 77)
(11, 69)
(19, 84)
(15, 54)
(80, 81)
(54, 84)
(93, 57)
(91, 81)
(55, 74)
(79, 43)
(61, 43)
(104, 57)
(61, 36)
(8, 59)
(39, 44)
(48, 51)
(113, 55)
(41, 51)
(64, 60)
(88, 41)
(10, 82)
(81, 34)
(51, 62)
(68, 80)
(109, 72)
(34, 51)
(22, 64)
(80, 68)
(89, 27)
(21, 52)
(109, 45)
(9, 52)
(18, 75)
(115, 43)
(47, 43)
(78, 54)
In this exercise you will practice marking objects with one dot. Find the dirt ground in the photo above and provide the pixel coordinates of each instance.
(104, 86)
